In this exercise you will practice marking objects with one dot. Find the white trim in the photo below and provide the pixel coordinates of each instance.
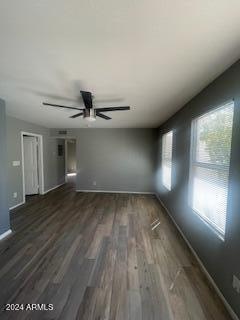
(218, 291)
(17, 205)
(40, 162)
(45, 192)
(59, 185)
(5, 234)
(115, 191)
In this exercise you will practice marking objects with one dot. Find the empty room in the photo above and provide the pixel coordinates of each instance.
(119, 160)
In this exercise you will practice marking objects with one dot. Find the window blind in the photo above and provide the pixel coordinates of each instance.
(167, 159)
(211, 149)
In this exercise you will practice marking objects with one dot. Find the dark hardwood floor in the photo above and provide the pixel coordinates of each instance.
(95, 256)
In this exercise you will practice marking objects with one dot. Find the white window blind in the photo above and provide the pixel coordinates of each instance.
(211, 149)
(167, 159)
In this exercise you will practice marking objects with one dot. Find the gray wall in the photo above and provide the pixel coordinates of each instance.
(71, 156)
(117, 159)
(4, 214)
(221, 259)
(54, 166)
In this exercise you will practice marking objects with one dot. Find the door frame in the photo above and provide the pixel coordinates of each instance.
(66, 151)
(40, 162)
(66, 154)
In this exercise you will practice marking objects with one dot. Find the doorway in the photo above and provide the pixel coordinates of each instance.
(70, 160)
(32, 164)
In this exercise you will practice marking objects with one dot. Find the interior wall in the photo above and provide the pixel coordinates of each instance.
(221, 258)
(54, 166)
(71, 156)
(4, 213)
(115, 159)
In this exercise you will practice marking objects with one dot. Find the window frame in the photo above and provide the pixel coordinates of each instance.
(194, 163)
(169, 188)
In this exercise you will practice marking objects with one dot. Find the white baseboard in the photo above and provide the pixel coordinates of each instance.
(221, 296)
(115, 191)
(17, 205)
(5, 234)
(59, 185)
(45, 192)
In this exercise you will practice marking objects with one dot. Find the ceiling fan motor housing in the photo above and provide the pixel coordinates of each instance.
(89, 114)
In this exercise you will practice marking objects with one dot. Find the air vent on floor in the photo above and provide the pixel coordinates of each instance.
(62, 132)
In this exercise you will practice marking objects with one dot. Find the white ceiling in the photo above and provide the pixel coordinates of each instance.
(153, 55)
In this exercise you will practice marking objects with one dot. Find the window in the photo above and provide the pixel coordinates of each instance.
(167, 159)
(211, 148)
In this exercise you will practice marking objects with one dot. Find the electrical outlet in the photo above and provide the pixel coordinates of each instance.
(94, 183)
(14, 195)
(16, 163)
(236, 284)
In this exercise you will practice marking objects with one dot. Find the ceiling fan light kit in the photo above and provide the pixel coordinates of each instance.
(89, 113)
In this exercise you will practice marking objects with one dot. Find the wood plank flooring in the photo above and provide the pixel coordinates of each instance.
(95, 256)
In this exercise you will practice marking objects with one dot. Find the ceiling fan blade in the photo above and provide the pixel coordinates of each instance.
(87, 99)
(101, 115)
(60, 106)
(76, 115)
(112, 109)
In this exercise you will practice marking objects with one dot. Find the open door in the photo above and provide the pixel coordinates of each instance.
(30, 146)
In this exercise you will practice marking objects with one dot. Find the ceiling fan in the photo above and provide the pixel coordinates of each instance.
(89, 112)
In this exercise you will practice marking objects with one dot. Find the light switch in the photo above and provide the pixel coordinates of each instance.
(16, 163)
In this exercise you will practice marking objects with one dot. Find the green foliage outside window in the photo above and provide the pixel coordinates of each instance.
(216, 134)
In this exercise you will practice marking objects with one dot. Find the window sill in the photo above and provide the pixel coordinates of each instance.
(217, 233)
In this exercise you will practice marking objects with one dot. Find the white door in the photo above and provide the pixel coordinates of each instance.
(30, 145)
